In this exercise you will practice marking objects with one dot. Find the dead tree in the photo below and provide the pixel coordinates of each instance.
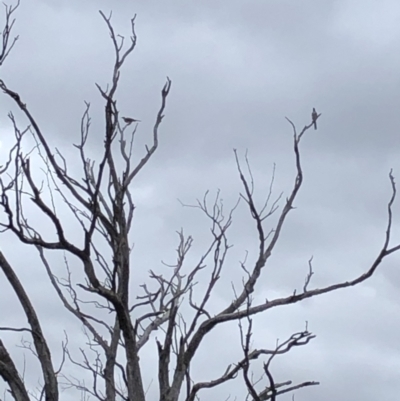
(103, 205)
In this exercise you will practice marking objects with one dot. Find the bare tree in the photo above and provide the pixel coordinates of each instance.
(103, 206)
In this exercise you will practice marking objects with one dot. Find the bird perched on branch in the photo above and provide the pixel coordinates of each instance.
(314, 117)
(129, 120)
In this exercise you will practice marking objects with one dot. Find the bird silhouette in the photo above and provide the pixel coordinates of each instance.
(129, 120)
(314, 117)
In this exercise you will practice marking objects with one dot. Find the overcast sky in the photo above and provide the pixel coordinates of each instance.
(237, 69)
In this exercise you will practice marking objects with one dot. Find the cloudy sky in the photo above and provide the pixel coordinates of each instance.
(237, 69)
